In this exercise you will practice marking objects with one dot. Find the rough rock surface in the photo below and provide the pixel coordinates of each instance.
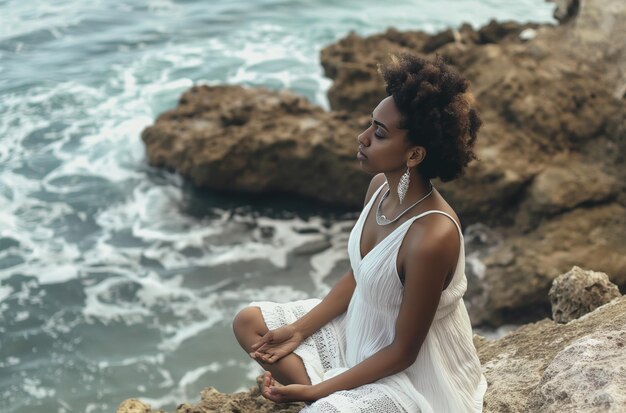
(213, 401)
(135, 406)
(522, 366)
(589, 375)
(519, 271)
(550, 179)
(234, 138)
(539, 367)
(578, 292)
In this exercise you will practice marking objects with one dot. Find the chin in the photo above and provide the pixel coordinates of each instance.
(366, 168)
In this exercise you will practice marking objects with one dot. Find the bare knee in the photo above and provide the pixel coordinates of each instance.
(249, 321)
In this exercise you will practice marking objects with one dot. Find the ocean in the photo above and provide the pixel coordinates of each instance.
(120, 280)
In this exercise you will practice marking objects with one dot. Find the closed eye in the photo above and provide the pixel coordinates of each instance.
(377, 132)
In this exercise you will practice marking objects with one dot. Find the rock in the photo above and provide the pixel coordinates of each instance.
(440, 39)
(527, 34)
(578, 292)
(212, 401)
(519, 271)
(557, 188)
(533, 369)
(566, 9)
(232, 138)
(587, 375)
(495, 31)
(134, 406)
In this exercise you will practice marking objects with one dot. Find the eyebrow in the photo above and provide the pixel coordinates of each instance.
(379, 123)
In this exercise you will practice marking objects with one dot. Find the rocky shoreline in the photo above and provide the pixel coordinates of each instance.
(547, 194)
(573, 362)
(549, 185)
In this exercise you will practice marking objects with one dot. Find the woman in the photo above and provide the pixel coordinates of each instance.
(393, 335)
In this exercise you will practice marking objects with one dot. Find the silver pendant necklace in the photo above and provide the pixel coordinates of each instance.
(383, 220)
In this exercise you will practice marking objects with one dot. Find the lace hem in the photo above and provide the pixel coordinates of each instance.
(369, 398)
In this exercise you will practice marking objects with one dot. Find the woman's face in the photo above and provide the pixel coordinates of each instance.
(383, 144)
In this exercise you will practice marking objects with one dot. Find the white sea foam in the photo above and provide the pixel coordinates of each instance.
(10, 361)
(34, 388)
(98, 304)
(19, 18)
(129, 361)
(192, 376)
(477, 266)
(5, 291)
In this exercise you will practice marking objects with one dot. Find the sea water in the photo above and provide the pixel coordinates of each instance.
(119, 280)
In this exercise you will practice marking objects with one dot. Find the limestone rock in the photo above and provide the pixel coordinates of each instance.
(525, 365)
(212, 401)
(134, 406)
(519, 271)
(578, 292)
(566, 9)
(559, 188)
(232, 138)
(588, 375)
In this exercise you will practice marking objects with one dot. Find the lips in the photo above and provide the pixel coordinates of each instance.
(362, 154)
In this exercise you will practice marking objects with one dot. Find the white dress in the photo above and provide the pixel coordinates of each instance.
(446, 376)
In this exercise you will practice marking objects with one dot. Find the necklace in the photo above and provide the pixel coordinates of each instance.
(383, 220)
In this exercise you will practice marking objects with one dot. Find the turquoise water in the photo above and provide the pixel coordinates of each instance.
(118, 280)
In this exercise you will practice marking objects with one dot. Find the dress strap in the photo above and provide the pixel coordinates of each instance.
(436, 211)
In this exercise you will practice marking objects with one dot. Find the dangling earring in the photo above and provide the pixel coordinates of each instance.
(403, 186)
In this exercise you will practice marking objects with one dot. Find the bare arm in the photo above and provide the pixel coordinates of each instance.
(335, 303)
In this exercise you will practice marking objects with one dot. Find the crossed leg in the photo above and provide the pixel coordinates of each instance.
(249, 327)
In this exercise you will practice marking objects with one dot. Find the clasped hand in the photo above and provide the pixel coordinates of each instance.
(276, 344)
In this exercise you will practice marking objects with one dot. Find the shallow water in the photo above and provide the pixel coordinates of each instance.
(118, 280)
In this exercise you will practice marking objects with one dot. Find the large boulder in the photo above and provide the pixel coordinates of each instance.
(552, 367)
(232, 138)
(578, 292)
(519, 271)
(599, 359)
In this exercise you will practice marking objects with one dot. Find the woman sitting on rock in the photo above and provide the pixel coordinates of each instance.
(393, 335)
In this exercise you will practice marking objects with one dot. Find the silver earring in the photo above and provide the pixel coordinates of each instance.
(403, 186)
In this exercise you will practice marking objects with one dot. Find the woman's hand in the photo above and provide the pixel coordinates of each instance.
(286, 394)
(276, 344)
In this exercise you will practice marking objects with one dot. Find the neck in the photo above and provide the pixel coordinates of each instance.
(418, 188)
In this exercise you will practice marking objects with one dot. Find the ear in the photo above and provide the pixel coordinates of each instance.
(416, 156)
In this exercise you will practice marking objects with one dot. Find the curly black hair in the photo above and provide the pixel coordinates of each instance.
(437, 110)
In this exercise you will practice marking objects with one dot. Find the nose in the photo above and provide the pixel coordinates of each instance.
(362, 138)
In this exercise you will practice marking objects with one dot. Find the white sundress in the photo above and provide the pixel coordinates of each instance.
(446, 377)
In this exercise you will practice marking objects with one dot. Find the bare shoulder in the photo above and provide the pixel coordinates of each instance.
(375, 183)
(433, 237)
(433, 231)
